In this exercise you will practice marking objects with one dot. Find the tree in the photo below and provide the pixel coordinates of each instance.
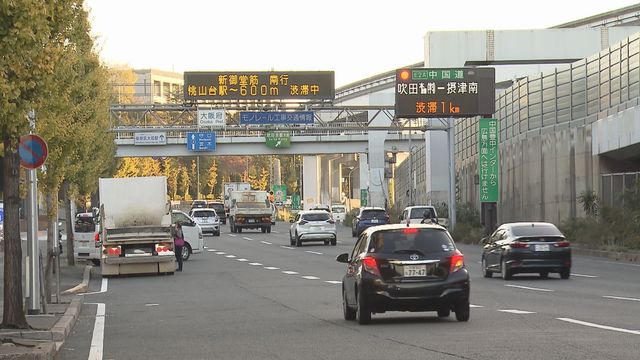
(32, 42)
(129, 167)
(589, 201)
(170, 170)
(213, 178)
(184, 183)
(149, 167)
(263, 180)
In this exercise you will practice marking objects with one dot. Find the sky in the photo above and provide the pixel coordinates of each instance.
(356, 39)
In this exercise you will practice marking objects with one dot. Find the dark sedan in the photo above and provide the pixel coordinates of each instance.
(404, 268)
(535, 247)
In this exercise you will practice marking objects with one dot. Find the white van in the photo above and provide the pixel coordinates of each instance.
(339, 212)
(86, 228)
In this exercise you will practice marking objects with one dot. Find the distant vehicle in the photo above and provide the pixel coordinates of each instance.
(324, 207)
(228, 187)
(193, 237)
(526, 247)
(207, 219)
(367, 217)
(198, 204)
(86, 228)
(339, 212)
(218, 206)
(250, 209)
(404, 268)
(420, 214)
(274, 214)
(313, 225)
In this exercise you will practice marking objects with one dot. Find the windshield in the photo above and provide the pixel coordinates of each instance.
(84, 224)
(315, 217)
(426, 241)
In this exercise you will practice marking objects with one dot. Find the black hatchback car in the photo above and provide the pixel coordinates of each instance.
(534, 247)
(404, 268)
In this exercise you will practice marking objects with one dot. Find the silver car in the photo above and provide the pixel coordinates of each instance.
(313, 225)
(207, 219)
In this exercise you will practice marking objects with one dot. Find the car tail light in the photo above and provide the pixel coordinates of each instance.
(112, 250)
(331, 221)
(371, 265)
(519, 245)
(96, 237)
(410, 230)
(562, 244)
(457, 261)
(303, 222)
(164, 249)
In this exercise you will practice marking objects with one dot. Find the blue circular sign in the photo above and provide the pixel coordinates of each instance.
(33, 151)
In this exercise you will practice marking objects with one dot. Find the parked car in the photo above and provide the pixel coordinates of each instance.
(193, 237)
(207, 219)
(367, 217)
(526, 247)
(218, 206)
(339, 212)
(313, 225)
(404, 268)
(419, 215)
(198, 204)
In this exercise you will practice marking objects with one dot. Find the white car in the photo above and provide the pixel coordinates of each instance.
(313, 225)
(208, 220)
(274, 214)
(193, 238)
(416, 214)
(86, 228)
(339, 212)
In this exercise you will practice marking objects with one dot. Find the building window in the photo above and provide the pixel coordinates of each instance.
(166, 89)
(156, 88)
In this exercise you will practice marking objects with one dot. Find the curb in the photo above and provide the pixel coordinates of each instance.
(84, 285)
(618, 256)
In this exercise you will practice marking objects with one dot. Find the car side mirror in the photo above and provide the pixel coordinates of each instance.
(484, 240)
(343, 258)
(291, 221)
(400, 217)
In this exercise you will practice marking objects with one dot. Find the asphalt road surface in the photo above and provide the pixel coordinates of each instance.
(252, 296)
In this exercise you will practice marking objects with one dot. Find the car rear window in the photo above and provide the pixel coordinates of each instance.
(316, 217)
(373, 214)
(536, 230)
(84, 224)
(338, 209)
(426, 241)
(419, 213)
(217, 207)
(201, 214)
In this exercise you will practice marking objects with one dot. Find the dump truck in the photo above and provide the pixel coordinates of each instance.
(249, 209)
(135, 226)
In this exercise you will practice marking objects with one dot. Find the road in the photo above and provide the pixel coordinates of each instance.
(252, 296)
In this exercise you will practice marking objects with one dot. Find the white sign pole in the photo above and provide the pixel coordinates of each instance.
(33, 249)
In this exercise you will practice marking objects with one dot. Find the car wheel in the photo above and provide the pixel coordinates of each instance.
(298, 241)
(363, 313)
(506, 272)
(186, 252)
(217, 233)
(291, 241)
(444, 312)
(269, 230)
(544, 274)
(485, 271)
(264, 230)
(239, 230)
(565, 273)
(349, 313)
(462, 310)
(326, 242)
(231, 227)
(334, 241)
(353, 233)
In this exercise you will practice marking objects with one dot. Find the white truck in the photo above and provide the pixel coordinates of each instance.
(249, 209)
(228, 188)
(135, 226)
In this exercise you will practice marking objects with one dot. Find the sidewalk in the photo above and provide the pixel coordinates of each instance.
(49, 330)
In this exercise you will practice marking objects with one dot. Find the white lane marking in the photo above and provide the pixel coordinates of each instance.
(476, 306)
(243, 260)
(205, 247)
(314, 252)
(287, 247)
(583, 275)
(247, 238)
(604, 327)
(103, 288)
(520, 312)
(232, 235)
(620, 298)
(288, 272)
(266, 243)
(152, 304)
(221, 253)
(529, 288)
(255, 264)
(271, 268)
(211, 250)
(333, 282)
(311, 277)
(230, 256)
(276, 232)
(97, 340)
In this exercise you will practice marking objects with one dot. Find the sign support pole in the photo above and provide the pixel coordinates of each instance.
(451, 132)
(33, 249)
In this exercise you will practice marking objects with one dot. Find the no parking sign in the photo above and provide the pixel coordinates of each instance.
(33, 151)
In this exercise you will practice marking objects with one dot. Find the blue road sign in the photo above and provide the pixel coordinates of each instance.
(275, 117)
(1, 214)
(33, 151)
(201, 141)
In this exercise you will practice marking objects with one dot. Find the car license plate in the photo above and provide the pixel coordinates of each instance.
(542, 247)
(252, 220)
(374, 221)
(415, 270)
